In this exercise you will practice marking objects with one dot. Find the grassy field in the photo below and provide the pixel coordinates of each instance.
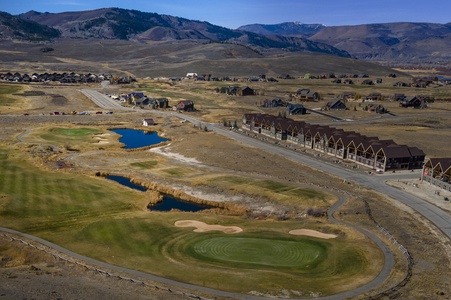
(96, 218)
(8, 102)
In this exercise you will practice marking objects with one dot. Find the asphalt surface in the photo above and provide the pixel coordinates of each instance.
(437, 216)
(103, 100)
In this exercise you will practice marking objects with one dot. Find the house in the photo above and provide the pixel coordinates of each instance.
(245, 91)
(159, 103)
(437, 171)
(411, 101)
(273, 103)
(375, 96)
(307, 95)
(296, 109)
(399, 97)
(357, 148)
(336, 104)
(349, 96)
(138, 99)
(148, 122)
(191, 75)
(368, 82)
(184, 105)
(401, 84)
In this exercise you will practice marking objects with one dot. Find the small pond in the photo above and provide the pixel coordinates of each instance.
(133, 138)
(167, 204)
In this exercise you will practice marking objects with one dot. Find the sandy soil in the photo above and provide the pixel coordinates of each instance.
(312, 233)
(204, 227)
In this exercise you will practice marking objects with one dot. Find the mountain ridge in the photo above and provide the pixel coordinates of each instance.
(134, 25)
(395, 41)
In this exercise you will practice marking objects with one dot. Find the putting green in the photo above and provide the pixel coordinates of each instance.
(75, 131)
(301, 254)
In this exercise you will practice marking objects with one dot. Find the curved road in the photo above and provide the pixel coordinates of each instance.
(437, 216)
(379, 280)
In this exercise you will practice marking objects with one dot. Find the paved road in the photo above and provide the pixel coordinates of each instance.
(103, 100)
(437, 216)
(440, 218)
(105, 267)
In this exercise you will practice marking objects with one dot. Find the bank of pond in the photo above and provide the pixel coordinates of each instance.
(167, 202)
(133, 138)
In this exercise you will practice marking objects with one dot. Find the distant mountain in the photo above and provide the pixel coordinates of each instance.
(15, 28)
(287, 28)
(400, 42)
(115, 23)
(391, 41)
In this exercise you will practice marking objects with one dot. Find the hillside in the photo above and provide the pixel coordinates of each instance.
(392, 42)
(15, 28)
(133, 25)
(287, 29)
(171, 59)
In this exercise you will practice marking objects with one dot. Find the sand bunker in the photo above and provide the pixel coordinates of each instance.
(203, 227)
(313, 233)
(100, 138)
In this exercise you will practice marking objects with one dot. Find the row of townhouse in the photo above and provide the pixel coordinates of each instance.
(437, 171)
(347, 145)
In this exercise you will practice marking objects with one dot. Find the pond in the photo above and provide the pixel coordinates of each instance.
(167, 204)
(133, 138)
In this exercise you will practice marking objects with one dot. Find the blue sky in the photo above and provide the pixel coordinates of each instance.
(234, 13)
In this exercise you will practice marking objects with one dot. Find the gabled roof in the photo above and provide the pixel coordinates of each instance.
(395, 151)
(444, 163)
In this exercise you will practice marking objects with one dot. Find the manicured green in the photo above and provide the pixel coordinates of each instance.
(96, 218)
(256, 251)
(75, 132)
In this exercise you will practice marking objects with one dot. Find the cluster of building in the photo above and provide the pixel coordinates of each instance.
(71, 77)
(346, 145)
(141, 100)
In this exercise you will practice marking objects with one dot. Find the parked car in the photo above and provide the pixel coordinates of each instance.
(99, 113)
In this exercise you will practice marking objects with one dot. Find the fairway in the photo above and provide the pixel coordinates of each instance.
(261, 252)
(101, 220)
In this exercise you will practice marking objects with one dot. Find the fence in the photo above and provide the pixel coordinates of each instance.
(410, 261)
(68, 259)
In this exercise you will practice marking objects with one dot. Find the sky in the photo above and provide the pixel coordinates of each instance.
(234, 13)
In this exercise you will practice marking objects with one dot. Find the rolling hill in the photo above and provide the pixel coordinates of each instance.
(133, 25)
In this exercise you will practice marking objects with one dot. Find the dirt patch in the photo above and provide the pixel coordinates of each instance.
(312, 233)
(204, 227)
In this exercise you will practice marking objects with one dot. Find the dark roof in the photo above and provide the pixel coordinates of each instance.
(444, 162)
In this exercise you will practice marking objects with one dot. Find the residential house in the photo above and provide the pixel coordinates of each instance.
(296, 109)
(184, 105)
(349, 96)
(411, 101)
(399, 97)
(437, 171)
(375, 96)
(348, 145)
(159, 103)
(245, 91)
(148, 122)
(307, 95)
(336, 104)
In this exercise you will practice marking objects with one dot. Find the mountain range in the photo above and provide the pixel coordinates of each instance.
(402, 41)
(387, 42)
(133, 25)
